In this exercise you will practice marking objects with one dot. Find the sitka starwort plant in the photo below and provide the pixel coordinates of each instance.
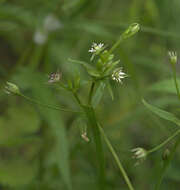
(101, 68)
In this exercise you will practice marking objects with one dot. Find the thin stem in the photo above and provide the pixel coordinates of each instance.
(126, 178)
(116, 45)
(91, 92)
(175, 80)
(46, 105)
(166, 165)
(77, 98)
(164, 143)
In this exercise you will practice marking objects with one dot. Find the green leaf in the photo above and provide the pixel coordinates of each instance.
(98, 94)
(89, 68)
(165, 86)
(161, 113)
(110, 90)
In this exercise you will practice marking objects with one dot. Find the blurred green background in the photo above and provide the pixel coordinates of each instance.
(42, 148)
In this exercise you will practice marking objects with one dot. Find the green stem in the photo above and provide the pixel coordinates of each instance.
(166, 165)
(91, 92)
(126, 178)
(46, 105)
(116, 45)
(77, 98)
(99, 149)
(175, 80)
(164, 143)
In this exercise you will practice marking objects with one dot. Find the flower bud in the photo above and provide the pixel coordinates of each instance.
(133, 29)
(166, 154)
(11, 88)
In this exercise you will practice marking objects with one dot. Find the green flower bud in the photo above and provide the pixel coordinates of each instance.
(11, 88)
(166, 154)
(133, 29)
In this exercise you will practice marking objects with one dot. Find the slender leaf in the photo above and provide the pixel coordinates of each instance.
(161, 113)
(98, 94)
(164, 86)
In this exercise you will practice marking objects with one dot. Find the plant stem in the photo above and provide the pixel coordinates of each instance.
(46, 105)
(164, 143)
(126, 178)
(175, 80)
(116, 45)
(99, 149)
(166, 165)
(91, 92)
(77, 98)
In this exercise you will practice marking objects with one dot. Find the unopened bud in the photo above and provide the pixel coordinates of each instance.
(166, 154)
(133, 29)
(11, 88)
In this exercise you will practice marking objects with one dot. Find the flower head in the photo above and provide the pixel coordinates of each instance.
(173, 57)
(54, 77)
(118, 75)
(139, 154)
(96, 48)
(11, 88)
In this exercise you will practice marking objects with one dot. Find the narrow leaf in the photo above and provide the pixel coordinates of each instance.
(98, 94)
(164, 86)
(161, 113)
(89, 68)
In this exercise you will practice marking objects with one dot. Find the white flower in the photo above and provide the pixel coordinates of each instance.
(51, 23)
(118, 75)
(173, 57)
(40, 37)
(139, 154)
(96, 48)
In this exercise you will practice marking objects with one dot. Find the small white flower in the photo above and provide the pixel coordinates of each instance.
(118, 75)
(96, 48)
(139, 154)
(40, 37)
(173, 57)
(51, 23)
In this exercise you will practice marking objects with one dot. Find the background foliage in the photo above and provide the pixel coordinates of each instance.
(57, 158)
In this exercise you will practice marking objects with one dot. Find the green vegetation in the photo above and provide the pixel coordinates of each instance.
(73, 111)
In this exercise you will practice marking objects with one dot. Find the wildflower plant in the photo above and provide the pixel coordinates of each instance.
(103, 66)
